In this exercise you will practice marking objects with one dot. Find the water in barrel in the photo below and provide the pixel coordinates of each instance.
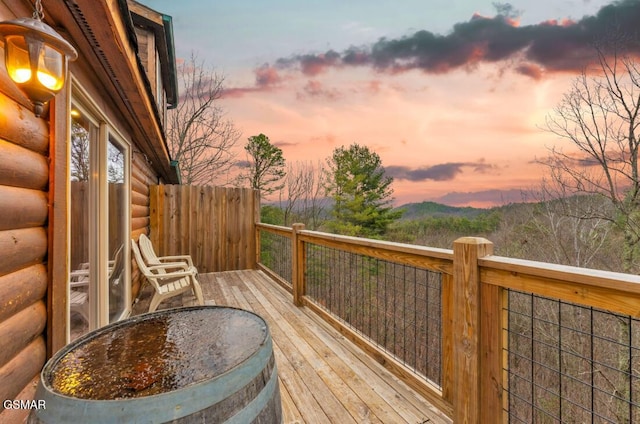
(189, 364)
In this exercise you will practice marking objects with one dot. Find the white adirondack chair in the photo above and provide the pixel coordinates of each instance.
(167, 283)
(150, 257)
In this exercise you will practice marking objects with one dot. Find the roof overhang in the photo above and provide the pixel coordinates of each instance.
(103, 34)
(162, 27)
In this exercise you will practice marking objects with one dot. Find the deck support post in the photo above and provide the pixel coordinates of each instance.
(477, 346)
(298, 258)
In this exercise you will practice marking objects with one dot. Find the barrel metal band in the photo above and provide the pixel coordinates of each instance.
(251, 411)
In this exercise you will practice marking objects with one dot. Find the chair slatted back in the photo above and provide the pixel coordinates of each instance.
(146, 248)
(143, 266)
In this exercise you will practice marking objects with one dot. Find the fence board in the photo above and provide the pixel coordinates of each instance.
(215, 225)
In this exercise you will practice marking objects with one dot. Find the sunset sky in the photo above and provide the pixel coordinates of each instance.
(452, 94)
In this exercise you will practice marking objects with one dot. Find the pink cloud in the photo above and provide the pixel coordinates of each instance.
(312, 65)
(531, 70)
(267, 76)
(317, 89)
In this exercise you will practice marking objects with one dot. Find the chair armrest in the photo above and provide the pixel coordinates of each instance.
(169, 266)
(177, 257)
(174, 275)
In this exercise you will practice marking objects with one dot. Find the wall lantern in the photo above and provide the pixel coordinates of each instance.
(36, 57)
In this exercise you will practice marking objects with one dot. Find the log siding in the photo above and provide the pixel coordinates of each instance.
(24, 184)
(34, 188)
(142, 176)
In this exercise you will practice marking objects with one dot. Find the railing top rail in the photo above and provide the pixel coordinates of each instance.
(440, 260)
(612, 291)
(286, 231)
(388, 245)
(564, 273)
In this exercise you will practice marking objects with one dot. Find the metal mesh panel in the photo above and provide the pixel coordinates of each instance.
(570, 363)
(397, 307)
(275, 254)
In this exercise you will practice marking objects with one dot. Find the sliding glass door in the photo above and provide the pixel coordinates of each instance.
(99, 162)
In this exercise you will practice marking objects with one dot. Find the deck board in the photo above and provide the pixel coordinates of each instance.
(324, 378)
(307, 364)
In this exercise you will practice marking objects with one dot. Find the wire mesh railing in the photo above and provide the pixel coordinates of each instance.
(484, 338)
(570, 363)
(395, 306)
(275, 254)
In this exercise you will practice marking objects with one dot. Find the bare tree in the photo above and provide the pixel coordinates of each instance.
(199, 136)
(293, 190)
(570, 229)
(79, 152)
(599, 117)
(303, 196)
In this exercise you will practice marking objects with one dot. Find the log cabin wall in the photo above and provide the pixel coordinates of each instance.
(34, 189)
(142, 176)
(23, 249)
(24, 186)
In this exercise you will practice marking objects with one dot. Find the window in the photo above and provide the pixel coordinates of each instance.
(99, 167)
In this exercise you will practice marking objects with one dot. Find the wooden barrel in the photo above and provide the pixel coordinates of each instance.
(200, 364)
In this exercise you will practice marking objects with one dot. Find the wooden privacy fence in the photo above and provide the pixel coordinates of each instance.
(215, 225)
(486, 339)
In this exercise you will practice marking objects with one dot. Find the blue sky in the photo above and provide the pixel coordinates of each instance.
(441, 127)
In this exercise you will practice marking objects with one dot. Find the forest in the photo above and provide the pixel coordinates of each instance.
(544, 231)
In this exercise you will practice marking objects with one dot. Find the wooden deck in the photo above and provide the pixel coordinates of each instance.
(324, 378)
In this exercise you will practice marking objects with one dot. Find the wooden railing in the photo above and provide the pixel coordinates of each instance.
(520, 341)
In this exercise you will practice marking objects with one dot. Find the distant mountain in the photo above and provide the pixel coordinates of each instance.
(484, 198)
(427, 209)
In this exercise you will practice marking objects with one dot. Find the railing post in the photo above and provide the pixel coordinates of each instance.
(258, 242)
(468, 391)
(256, 231)
(298, 258)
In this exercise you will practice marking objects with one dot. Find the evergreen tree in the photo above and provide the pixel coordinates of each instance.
(361, 193)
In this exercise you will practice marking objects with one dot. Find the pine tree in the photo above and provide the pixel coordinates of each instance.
(361, 192)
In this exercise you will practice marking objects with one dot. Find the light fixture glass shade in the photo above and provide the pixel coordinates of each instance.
(17, 59)
(51, 68)
(36, 59)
